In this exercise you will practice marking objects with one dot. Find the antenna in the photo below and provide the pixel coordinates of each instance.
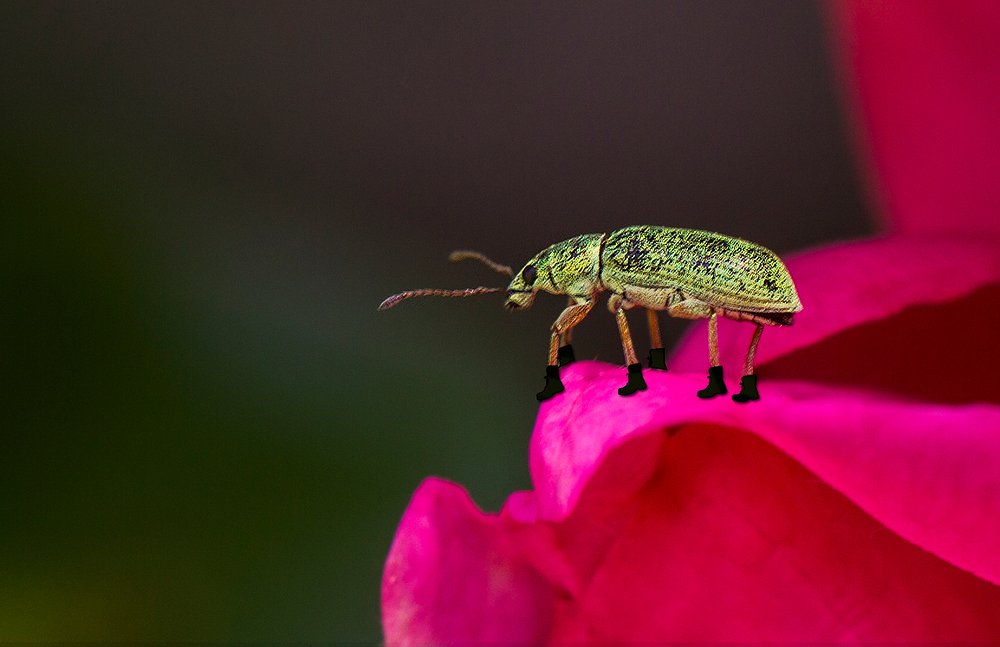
(396, 298)
(454, 257)
(464, 254)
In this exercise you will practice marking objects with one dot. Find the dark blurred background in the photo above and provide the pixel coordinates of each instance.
(208, 432)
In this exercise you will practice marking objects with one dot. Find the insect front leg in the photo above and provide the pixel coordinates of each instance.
(566, 355)
(618, 305)
(569, 317)
(748, 383)
(563, 324)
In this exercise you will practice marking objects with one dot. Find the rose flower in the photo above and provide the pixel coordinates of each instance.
(857, 500)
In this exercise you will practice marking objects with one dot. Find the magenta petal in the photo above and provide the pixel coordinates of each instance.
(924, 80)
(849, 284)
(930, 473)
(730, 539)
(664, 517)
(457, 574)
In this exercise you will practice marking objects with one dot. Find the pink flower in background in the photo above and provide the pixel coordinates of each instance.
(857, 500)
(923, 81)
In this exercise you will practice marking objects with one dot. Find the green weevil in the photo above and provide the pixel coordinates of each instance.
(687, 272)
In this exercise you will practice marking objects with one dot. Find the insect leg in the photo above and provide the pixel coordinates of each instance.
(627, 346)
(716, 384)
(569, 317)
(565, 343)
(617, 306)
(656, 357)
(654, 328)
(748, 384)
(566, 320)
(635, 379)
(713, 338)
(689, 309)
(752, 350)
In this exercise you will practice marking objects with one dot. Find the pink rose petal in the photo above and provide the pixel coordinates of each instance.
(799, 529)
(945, 353)
(732, 540)
(846, 285)
(455, 573)
(930, 473)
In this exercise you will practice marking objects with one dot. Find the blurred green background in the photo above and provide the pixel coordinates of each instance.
(207, 432)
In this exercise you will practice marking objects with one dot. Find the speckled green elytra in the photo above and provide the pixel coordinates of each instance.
(689, 273)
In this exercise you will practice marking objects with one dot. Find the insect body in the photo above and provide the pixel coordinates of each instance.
(689, 273)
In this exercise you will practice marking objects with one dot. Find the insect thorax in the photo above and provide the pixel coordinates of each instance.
(572, 266)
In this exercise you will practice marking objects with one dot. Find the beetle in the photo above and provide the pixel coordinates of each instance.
(692, 274)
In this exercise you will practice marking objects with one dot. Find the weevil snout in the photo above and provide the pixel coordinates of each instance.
(519, 299)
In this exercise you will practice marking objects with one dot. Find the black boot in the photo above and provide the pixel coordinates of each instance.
(635, 381)
(566, 355)
(553, 384)
(657, 358)
(716, 386)
(748, 389)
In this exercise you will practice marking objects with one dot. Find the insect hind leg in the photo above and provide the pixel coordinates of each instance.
(748, 384)
(716, 382)
(689, 309)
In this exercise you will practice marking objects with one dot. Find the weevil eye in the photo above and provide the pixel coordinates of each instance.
(529, 275)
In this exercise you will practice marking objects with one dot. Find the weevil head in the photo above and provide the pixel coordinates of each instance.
(569, 267)
(521, 291)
